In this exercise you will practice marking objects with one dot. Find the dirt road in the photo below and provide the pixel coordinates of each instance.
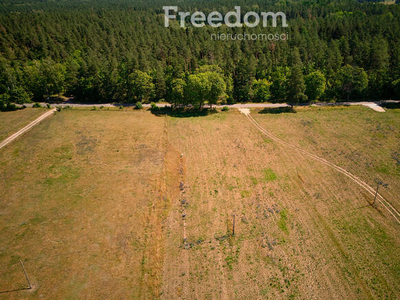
(385, 203)
(26, 128)
(373, 105)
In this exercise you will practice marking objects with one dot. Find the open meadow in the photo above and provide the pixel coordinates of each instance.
(303, 230)
(12, 121)
(123, 204)
(76, 206)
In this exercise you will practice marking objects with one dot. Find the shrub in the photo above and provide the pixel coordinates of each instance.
(48, 105)
(139, 105)
(8, 107)
(154, 107)
(36, 105)
(225, 108)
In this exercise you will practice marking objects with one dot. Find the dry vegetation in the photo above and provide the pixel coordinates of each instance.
(103, 205)
(302, 230)
(364, 143)
(78, 206)
(12, 121)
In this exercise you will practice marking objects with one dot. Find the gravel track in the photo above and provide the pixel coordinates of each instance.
(26, 128)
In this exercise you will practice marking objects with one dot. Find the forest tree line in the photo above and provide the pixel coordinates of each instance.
(120, 51)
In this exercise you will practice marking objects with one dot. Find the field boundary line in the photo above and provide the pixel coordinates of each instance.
(385, 203)
(26, 128)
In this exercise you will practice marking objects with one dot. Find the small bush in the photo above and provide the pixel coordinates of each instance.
(121, 107)
(48, 105)
(8, 107)
(101, 107)
(139, 105)
(36, 105)
(225, 108)
(154, 107)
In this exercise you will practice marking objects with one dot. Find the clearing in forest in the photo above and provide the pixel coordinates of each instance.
(122, 204)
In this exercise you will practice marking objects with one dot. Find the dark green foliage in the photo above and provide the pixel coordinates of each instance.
(154, 107)
(315, 85)
(351, 82)
(120, 51)
(140, 86)
(242, 80)
(296, 86)
(138, 105)
(5, 104)
(261, 90)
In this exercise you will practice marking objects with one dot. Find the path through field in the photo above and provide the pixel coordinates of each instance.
(26, 128)
(385, 203)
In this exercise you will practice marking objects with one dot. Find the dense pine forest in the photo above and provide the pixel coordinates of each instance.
(120, 51)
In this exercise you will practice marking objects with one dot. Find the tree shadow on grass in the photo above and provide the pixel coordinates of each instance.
(183, 112)
(390, 105)
(277, 110)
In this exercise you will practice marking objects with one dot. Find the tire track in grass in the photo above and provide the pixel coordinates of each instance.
(26, 128)
(165, 188)
(385, 203)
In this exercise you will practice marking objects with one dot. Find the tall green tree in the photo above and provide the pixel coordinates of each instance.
(45, 78)
(177, 92)
(261, 90)
(297, 86)
(242, 80)
(197, 89)
(218, 87)
(315, 85)
(352, 82)
(160, 88)
(141, 86)
(205, 87)
(280, 81)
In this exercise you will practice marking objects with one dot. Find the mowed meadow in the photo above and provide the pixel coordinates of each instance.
(12, 121)
(76, 205)
(125, 204)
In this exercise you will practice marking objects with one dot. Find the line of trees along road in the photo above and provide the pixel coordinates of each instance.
(120, 51)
